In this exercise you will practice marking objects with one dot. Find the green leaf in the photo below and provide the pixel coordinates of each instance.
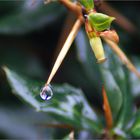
(88, 4)
(89, 66)
(135, 129)
(101, 72)
(116, 78)
(27, 16)
(68, 104)
(113, 89)
(100, 21)
(22, 90)
(135, 81)
(19, 123)
(112, 74)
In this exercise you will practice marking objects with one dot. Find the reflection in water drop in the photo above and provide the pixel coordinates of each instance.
(46, 93)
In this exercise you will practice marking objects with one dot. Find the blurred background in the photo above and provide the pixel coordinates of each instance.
(31, 36)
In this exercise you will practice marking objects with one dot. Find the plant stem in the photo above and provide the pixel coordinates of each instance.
(65, 49)
(122, 56)
(107, 110)
(121, 20)
(76, 9)
(67, 25)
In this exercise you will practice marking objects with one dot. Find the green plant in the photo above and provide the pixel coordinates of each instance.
(69, 107)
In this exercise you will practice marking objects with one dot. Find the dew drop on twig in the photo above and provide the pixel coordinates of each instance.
(46, 93)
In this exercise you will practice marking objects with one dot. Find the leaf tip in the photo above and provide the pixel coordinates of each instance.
(5, 68)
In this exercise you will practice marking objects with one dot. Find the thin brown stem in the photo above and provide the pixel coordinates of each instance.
(122, 56)
(121, 20)
(65, 49)
(75, 8)
(67, 25)
(107, 110)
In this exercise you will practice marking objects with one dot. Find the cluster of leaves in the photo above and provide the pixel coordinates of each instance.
(69, 105)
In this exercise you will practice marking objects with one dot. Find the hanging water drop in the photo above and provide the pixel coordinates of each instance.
(46, 93)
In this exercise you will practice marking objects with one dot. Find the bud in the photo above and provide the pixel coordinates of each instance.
(95, 42)
(111, 35)
(88, 4)
(97, 48)
(99, 21)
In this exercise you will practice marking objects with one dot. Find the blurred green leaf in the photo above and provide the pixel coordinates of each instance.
(127, 109)
(135, 129)
(29, 64)
(100, 73)
(114, 93)
(116, 81)
(68, 104)
(29, 16)
(22, 124)
(88, 70)
(88, 63)
(112, 74)
(8, 7)
(20, 89)
(135, 81)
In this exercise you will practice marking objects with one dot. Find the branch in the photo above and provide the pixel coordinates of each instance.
(65, 49)
(67, 25)
(121, 20)
(75, 8)
(107, 110)
(122, 56)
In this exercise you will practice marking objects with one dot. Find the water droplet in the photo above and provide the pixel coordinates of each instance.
(46, 93)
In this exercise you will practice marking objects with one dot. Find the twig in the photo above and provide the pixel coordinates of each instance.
(121, 20)
(107, 110)
(122, 56)
(76, 9)
(68, 23)
(65, 49)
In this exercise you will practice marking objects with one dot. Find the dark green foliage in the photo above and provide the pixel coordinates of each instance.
(28, 35)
